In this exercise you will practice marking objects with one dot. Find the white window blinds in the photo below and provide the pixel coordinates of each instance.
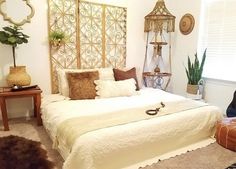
(218, 35)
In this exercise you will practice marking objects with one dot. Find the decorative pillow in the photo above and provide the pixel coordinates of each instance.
(123, 75)
(109, 88)
(81, 85)
(104, 74)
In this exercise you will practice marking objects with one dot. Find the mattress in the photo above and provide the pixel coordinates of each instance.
(134, 144)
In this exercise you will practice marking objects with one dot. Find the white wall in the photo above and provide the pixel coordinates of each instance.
(217, 92)
(35, 54)
(184, 45)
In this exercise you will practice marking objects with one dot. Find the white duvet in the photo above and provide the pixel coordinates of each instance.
(130, 145)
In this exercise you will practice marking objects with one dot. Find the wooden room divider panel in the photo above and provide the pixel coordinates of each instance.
(95, 36)
(102, 35)
(115, 35)
(62, 16)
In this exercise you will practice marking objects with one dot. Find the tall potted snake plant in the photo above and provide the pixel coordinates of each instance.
(12, 36)
(194, 73)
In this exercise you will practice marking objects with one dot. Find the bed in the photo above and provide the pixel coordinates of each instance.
(128, 144)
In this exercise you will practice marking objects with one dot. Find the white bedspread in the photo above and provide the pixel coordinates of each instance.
(133, 144)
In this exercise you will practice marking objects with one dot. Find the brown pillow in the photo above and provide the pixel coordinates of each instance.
(123, 75)
(81, 85)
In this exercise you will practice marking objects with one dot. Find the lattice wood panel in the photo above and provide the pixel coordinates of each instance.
(96, 36)
(90, 35)
(102, 32)
(115, 35)
(62, 16)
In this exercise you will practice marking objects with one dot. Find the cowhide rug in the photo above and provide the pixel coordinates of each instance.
(233, 166)
(21, 153)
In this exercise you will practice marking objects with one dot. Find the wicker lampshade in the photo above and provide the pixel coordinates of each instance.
(159, 19)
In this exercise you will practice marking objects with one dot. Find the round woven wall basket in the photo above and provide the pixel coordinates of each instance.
(186, 24)
(18, 76)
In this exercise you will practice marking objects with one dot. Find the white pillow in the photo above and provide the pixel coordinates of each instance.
(139, 74)
(109, 88)
(104, 74)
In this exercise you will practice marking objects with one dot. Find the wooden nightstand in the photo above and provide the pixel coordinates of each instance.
(6, 93)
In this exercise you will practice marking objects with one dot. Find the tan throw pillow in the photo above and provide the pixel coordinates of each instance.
(123, 75)
(81, 85)
(104, 74)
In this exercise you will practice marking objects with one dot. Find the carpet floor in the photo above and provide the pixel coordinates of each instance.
(211, 157)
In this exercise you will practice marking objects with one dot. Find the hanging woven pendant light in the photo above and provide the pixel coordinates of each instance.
(160, 19)
(157, 21)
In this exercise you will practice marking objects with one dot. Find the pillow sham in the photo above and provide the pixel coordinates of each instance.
(123, 75)
(108, 88)
(81, 85)
(104, 74)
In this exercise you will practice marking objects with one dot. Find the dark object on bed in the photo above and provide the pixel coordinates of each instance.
(231, 110)
(155, 111)
(21, 153)
(233, 166)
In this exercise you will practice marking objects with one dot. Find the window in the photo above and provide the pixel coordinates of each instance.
(218, 35)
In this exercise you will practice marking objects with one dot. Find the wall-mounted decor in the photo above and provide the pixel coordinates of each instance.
(57, 38)
(186, 24)
(95, 36)
(25, 11)
(62, 15)
(102, 35)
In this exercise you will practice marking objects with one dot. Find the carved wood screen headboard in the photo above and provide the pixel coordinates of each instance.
(95, 36)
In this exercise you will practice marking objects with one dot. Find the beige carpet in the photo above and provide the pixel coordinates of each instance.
(210, 157)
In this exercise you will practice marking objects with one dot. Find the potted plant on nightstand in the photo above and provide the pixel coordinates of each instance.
(194, 74)
(12, 36)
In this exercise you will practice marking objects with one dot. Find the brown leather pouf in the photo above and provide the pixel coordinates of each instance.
(226, 133)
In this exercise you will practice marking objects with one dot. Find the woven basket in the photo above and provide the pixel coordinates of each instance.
(192, 89)
(18, 76)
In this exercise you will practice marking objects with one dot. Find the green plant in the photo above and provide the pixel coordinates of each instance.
(56, 37)
(11, 35)
(195, 69)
